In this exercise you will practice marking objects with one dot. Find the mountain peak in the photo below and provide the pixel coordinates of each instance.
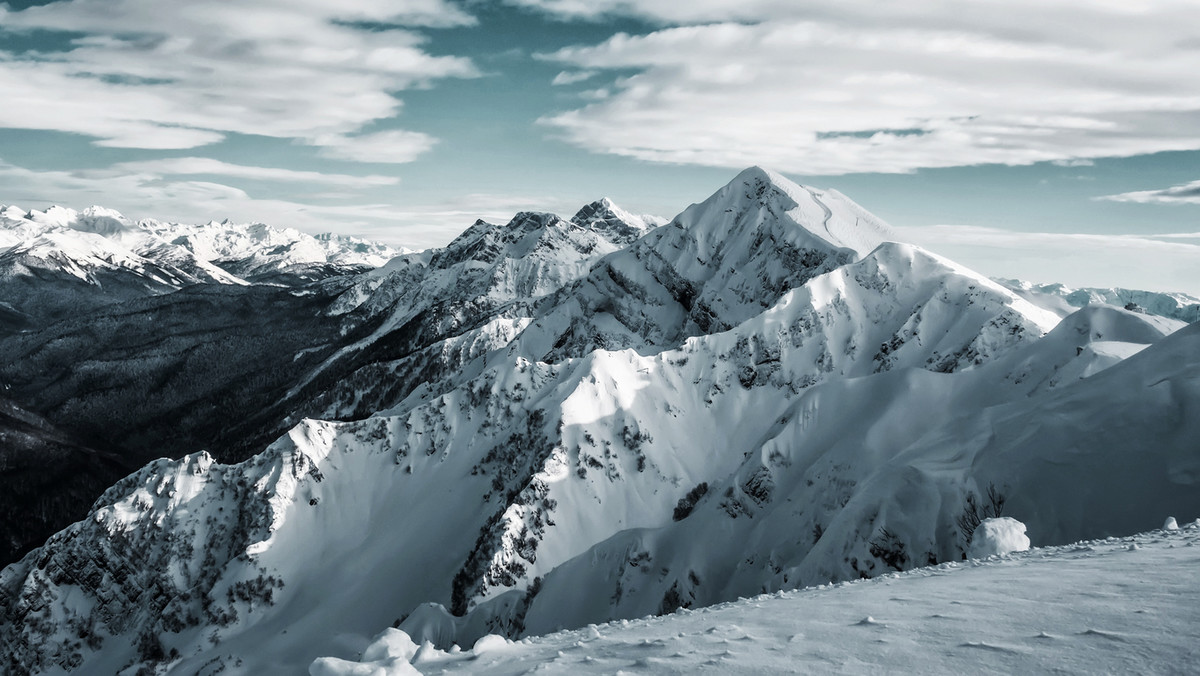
(101, 221)
(757, 173)
(605, 217)
(826, 215)
(53, 216)
(598, 209)
(13, 212)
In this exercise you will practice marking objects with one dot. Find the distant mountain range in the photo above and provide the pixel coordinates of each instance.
(547, 423)
(45, 255)
(1181, 306)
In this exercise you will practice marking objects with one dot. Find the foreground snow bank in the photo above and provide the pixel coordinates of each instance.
(1095, 606)
(390, 654)
(998, 536)
(393, 653)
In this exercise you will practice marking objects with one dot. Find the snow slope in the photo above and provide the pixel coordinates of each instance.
(847, 482)
(1118, 605)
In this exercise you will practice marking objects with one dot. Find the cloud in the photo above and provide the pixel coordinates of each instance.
(1188, 193)
(695, 11)
(567, 77)
(184, 73)
(1130, 261)
(858, 86)
(1178, 235)
(396, 146)
(184, 166)
(1074, 163)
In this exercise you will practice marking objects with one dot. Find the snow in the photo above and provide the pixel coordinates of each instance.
(1063, 300)
(1126, 605)
(827, 216)
(997, 536)
(619, 419)
(169, 255)
(490, 644)
(1170, 524)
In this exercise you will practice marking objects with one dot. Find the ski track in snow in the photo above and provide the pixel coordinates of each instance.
(826, 209)
(1120, 605)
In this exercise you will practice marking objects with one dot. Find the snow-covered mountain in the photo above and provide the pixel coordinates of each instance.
(221, 243)
(141, 339)
(57, 262)
(1064, 299)
(551, 423)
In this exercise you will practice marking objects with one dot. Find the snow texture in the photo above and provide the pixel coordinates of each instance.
(1123, 605)
(997, 536)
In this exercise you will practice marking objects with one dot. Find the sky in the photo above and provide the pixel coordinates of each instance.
(1048, 140)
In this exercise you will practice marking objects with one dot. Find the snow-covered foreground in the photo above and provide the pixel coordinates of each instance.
(1119, 605)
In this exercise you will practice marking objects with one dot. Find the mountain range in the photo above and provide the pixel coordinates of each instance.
(545, 424)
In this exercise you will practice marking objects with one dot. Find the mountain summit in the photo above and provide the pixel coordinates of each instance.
(606, 217)
(759, 197)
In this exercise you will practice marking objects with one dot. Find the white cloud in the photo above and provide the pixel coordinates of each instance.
(184, 73)
(1188, 193)
(859, 86)
(1178, 235)
(183, 166)
(1074, 163)
(936, 13)
(395, 146)
(666, 11)
(567, 77)
(1130, 261)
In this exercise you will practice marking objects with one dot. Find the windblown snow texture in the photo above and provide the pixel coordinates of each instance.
(1079, 608)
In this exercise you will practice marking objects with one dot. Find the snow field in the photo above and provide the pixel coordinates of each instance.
(1118, 605)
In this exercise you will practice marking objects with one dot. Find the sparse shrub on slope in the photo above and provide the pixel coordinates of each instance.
(975, 510)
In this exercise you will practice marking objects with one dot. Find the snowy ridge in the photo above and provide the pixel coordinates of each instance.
(60, 263)
(530, 256)
(437, 310)
(1063, 299)
(714, 266)
(605, 217)
(567, 422)
(222, 253)
(861, 498)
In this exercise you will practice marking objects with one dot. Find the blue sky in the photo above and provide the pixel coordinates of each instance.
(1041, 140)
